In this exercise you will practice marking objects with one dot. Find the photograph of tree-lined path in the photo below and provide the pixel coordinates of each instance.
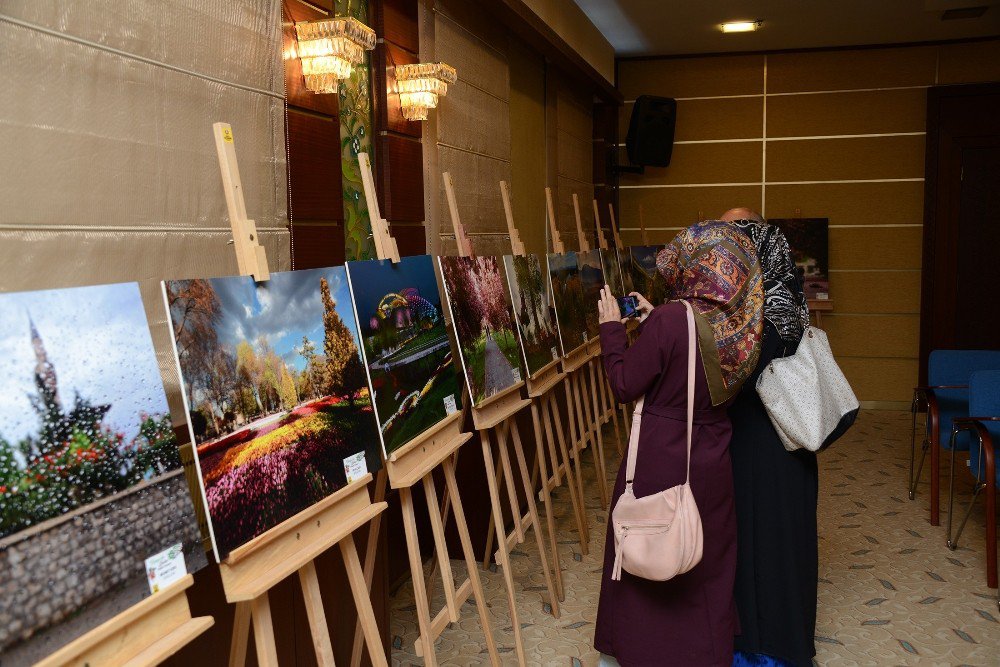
(406, 346)
(484, 324)
(530, 298)
(646, 279)
(567, 294)
(277, 394)
(612, 271)
(592, 280)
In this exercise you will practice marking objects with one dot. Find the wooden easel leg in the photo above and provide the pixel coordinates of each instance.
(470, 561)
(507, 472)
(371, 551)
(503, 558)
(241, 635)
(263, 632)
(598, 438)
(363, 601)
(551, 411)
(550, 524)
(491, 530)
(417, 572)
(318, 628)
(608, 405)
(554, 593)
(577, 428)
(441, 547)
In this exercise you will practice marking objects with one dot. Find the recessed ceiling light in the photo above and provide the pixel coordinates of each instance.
(741, 26)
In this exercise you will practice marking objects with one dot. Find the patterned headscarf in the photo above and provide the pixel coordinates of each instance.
(714, 267)
(785, 305)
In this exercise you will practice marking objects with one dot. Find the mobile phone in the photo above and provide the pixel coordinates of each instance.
(628, 306)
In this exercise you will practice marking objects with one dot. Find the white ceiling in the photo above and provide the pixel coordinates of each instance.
(670, 27)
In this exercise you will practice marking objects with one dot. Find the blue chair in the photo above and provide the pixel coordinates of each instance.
(984, 426)
(944, 398)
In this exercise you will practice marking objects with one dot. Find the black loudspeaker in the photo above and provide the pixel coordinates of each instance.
(650, 140)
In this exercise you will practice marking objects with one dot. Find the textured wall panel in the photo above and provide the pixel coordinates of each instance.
(704, 163)
(900, 203)
(845, 159)
(691, 77)
(477, 191)
(462, 122)
(880, 379)
(853, 335)
(877, 291)
(471, 50)
(969, 63)
(679, 207)
(851, 69)
(875, 248)
(847, 113)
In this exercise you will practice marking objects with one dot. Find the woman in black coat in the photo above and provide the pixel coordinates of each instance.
(775, 490)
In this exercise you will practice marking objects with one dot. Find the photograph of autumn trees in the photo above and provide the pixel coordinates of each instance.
(567, 294)
(406, 346)
(484, 324)
(612, 271)
(277, 394)
(535, 323)
(646, 279)
(592, 280)
(83, 414)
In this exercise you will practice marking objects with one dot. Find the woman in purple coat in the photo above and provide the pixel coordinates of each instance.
(689, 620)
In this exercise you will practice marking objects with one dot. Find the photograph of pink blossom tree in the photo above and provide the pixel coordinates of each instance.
(90, 473)
(536, 325)
(484, 324)
(276, 393)
(406, 346)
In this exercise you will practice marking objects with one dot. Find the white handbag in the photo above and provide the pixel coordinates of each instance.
(806, 395)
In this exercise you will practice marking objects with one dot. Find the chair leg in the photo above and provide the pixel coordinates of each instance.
(953, 543)
(924, 448)
(913, 446)
(951, 497)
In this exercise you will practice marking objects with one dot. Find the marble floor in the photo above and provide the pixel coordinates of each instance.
(890, 592)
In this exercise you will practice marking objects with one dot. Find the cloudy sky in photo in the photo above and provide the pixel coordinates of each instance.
(97, 338)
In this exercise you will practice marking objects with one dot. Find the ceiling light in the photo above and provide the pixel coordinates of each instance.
(741, 26)
(329, 48)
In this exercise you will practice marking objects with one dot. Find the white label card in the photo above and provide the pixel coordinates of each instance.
(449, 405)
(516, 372)
(355, 467)
(555, 353)
(165, 568)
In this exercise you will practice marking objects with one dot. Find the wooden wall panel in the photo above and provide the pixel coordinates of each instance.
(527, 145)
(704, 163)
(880, 379)
(712, 119)
(473, 47)
(899, 203)
(314, 167)
(477, 191)
(318, 245)
(875, 248)
(877, 291)
(461, 122)
(874, 335)
(401, 191)
(844, 159)
(970, 62)
(390, 115)
(398, 19)
(691, 77)
(679, 207)
(864, 112)
(575, 157)
(851, 69)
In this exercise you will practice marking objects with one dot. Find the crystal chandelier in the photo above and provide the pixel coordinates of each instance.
(329, 48)
(420, 85)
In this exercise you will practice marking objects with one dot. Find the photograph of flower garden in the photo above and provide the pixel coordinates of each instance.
(85, 439)
(567, 294)
(484, 324)
(592, 280)
(646, 279)
(406, 346)
(535, 323)
(277, 394)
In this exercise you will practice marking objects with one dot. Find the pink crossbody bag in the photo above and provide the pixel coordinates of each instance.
(659, 536)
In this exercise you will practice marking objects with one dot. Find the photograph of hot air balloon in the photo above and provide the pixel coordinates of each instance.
(567, 293)
(276, 392)
(406, 346)
(592, 281)
(536, 325)
(484, 324)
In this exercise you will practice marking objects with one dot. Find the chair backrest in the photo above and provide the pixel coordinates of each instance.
(984, 401)
(954, 367)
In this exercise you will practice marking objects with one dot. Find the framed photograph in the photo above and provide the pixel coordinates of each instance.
(567, 295)
(536, 325)
(809, 241)
(646, 279)
(276, 393)
(592, 281)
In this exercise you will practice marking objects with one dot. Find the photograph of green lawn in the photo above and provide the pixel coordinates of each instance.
(484, 324)
(406, 347)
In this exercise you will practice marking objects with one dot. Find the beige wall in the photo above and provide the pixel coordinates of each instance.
(837, 134)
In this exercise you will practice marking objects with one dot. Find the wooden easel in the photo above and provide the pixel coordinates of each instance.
(592, 410)
(620, 248)
(541, 392)
(497, 416)
(250, 571)
(414, 463)
(580, 424)
(145, 634)
(608, 409)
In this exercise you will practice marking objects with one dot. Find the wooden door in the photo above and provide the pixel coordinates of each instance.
(961, 221)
